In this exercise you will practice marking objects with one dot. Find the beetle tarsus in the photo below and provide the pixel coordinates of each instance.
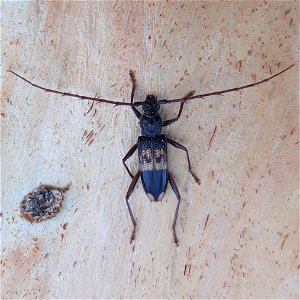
(176, 192)
(132, 238)
(196, 178)
(175, 237)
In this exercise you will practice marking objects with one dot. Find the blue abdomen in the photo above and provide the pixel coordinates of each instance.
(153, 165)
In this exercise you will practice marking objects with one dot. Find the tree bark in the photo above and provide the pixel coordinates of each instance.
(237, 231)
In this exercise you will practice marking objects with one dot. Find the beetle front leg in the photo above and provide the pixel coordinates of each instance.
(136, 112)
(128, 155)
(176, 192)
(133, 81)
(171, 121)
(179, 146)
(129, 192)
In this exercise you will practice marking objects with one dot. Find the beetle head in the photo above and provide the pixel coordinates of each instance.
(150, 99)
(150, 105)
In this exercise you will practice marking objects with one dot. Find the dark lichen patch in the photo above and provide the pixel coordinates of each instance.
(42, 203)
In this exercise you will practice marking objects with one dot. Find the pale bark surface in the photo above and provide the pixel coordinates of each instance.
(238, 230)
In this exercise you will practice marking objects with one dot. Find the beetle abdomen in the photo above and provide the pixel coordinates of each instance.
(153, 165)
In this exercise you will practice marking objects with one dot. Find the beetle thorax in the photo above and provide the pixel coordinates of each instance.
(151, 122)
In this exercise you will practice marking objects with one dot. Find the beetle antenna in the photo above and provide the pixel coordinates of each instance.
(219, 93)
(67, 94)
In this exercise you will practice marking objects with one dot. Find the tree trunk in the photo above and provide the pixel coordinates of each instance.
(237, 230)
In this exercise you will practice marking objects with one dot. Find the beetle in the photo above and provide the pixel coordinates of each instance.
(152, 144)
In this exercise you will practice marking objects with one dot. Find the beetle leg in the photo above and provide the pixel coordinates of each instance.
(129, 192)
(136, 112)
(133, 80)
(179, 146)
(128, 155)
(171, 121)
(175, 190)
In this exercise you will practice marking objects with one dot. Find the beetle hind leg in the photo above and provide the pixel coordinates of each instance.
(128, 155)
(129, 192)
(176, 192)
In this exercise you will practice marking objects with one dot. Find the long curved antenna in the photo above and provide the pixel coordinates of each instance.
(166, 101)
(117, 103)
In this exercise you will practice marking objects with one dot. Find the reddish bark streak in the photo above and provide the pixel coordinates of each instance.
(206, 221)
(284, 241)
(211, 139)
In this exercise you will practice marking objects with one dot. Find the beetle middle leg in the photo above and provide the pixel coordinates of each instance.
(129, 192)
(179, 146)
(176, 192)
(128, 155)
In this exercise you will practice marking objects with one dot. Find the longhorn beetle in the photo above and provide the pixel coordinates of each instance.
(152, 145)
